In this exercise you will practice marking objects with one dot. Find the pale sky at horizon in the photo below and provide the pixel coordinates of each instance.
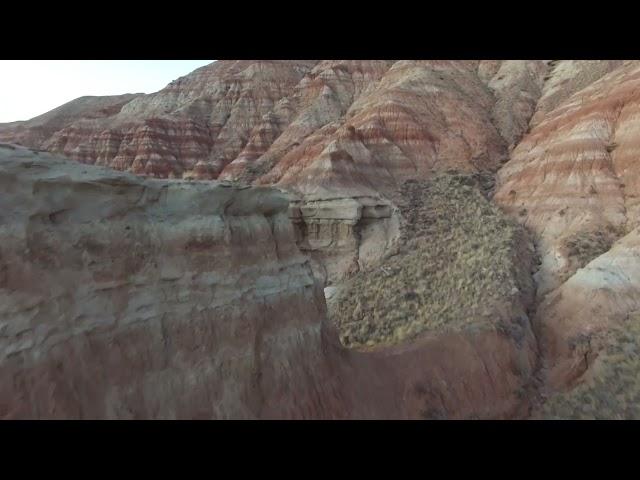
(29, 88)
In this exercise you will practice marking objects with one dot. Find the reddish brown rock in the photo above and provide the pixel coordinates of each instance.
(574, 174)
(340, 137)
(125, 298)
(419, 117)
(566, 77)
(573, 182)
(325, 131)
(275, 120)
(599, 298)
(35, 132)
(129, 298)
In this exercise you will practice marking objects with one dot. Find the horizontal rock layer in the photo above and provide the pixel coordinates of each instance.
(336, 125)
(575, 173)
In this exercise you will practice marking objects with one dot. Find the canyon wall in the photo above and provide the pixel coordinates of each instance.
(123, 297)
(573, 182)
(129, 298)
(340, 139)
(330, 132)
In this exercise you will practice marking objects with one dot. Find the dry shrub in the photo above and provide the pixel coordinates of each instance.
(462, 261)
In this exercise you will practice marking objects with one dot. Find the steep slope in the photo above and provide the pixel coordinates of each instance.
(589, 329)
(129, 298)
(125, 298)
(355, 145)
(194, 126)
(331, 132)
(566, 77)
(35, 132)
(420, 117)
(573, 180)
(242, 119)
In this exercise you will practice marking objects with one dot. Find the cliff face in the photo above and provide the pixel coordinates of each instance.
(344, 140)
(574, 174)
(330, 132)
(130, 298)
(573, 181)
(122, 297)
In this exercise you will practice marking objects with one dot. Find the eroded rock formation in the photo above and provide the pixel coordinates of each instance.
(573, 181)
(340, 139)
(324, 130)
(130, 298)
(575, 171)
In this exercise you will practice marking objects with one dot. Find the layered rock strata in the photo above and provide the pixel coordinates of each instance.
(130, 298)
(572, 181)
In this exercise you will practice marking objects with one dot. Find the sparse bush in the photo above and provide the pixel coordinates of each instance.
(611, 388)
(461, 262)
(585, 246)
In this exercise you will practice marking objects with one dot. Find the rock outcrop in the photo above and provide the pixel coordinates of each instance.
(129, 298)
(589, 329)
(330, 132)
(123, 297)
(573, 182)
(574, 174)
(351, 147)
(345, 235)
(280, 121)
(37, 131)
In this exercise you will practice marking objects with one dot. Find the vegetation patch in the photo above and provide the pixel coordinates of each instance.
(611, 388)
(462, 261)
(583, 247)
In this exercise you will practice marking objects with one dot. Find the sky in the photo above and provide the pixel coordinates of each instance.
(29, 88)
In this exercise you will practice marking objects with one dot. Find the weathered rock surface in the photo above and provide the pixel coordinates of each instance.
(573, 181)
(193, 127)
(575, 173)
(341, 137)
(566, 77)
(589, 329)
(38, 130)
(462, 263)
(129, 298)
(327, 131)
(344, 236)
(300, 123)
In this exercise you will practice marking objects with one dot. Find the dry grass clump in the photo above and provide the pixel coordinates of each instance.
(611, 389)
(462, 262)
(585, 246)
